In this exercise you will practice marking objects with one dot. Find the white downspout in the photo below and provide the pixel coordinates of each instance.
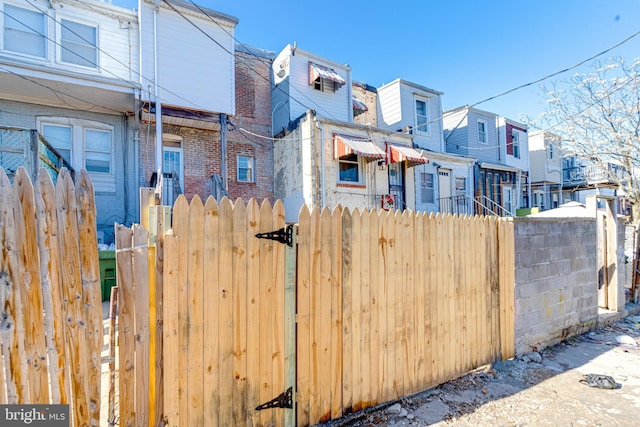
(155, 89)
(322, 167)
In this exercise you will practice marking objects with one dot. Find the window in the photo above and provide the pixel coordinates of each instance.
(85, 145)
(246, 169)
(422, 116)
(78, 44)
(25, 31)
(426, 190)
(550, 151)
(325, 85)
(482, 132)
(461, 185)
(349, 169)
(515, 140)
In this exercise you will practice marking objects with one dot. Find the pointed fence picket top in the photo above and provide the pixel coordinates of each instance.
(47, 309)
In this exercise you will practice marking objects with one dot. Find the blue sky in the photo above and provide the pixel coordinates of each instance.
(470, 50)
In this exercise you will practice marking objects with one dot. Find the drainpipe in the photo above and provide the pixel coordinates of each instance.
(323, 184)
(223, 151)
(155, 89)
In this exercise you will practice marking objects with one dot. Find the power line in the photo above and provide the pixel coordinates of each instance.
(328, 114)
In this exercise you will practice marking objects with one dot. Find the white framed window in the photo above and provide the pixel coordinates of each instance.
(78, 43)
(427, 192)
(25, 31)
(482, 131)
(422, 116)
(349, 169)
(515, 141)
(461, 185)
(246, 169)
(85, 144)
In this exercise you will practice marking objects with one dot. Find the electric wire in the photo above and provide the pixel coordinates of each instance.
(268, 80)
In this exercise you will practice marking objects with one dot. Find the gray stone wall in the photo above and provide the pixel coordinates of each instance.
(555, 280)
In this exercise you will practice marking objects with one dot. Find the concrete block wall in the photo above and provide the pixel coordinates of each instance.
(555, 280)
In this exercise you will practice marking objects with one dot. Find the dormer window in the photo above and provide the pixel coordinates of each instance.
(324, 79)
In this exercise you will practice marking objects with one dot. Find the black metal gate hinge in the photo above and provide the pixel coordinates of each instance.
(284, 400)
(284, 235)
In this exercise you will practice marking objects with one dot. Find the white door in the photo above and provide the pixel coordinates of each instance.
(444, 190)
(507, 198)
(172, 174)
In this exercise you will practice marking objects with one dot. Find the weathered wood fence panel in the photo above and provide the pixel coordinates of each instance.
(51, 330)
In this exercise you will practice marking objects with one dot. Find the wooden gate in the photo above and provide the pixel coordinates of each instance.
(344, 310)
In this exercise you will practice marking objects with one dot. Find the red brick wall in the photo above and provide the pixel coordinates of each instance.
(251, 130)
(200, 151)
(248, 134)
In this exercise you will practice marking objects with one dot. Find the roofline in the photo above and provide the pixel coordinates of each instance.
(466, 107)
(313, 56)
(200, 9)
(256, 51)
(413, 85)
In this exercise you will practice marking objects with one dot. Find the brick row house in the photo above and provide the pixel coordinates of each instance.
(125, 100)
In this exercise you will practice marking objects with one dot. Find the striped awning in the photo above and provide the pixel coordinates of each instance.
(359, 105)
(319, 71)
(403, 153)
(345, 145)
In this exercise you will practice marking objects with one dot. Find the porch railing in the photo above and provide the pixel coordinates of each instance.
(465, 205)
(29, 149)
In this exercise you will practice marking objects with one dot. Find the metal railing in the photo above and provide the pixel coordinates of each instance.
(593, 173)
(465, 205)
(28, 149)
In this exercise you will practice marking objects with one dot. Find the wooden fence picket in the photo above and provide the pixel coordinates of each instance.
(52, 292)
(11, 336)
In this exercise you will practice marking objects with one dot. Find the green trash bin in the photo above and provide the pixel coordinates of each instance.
(107, 272)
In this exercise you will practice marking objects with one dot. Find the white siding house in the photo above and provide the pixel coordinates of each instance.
(192, 54)
(304, 81)
(408, 107)
(69, 70)
(546, 170)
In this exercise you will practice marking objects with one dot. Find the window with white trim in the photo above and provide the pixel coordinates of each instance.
(482, 131)
(24, 31)
(461, 185)
(78, 43)
(422, 116)
(427, 191)
(515, 140)
(85, 144)
(349, 169)
(246, 169)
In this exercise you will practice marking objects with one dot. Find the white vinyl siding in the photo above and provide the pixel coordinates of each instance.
(194, 71)
(78, 43)
(336, 105)
(25, 31)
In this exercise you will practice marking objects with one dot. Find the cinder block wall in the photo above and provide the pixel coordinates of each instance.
(556, 280)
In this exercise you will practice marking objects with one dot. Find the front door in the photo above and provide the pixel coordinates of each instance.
(396, 184)
(444, 190)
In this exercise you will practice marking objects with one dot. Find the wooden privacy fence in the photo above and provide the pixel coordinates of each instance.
(51, 325)
(361, 308)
